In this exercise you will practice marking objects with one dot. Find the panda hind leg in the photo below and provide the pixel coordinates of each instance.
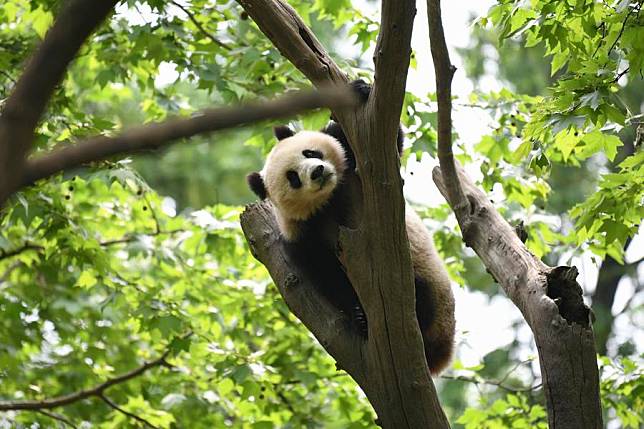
(438, 335)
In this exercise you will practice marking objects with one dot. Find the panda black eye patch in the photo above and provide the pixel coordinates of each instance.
(312, 154)
(294, 179)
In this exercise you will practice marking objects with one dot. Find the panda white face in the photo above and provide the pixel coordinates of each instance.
(301, 173)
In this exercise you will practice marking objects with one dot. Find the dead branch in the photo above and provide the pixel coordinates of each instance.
(24, 107)
(549, 298)
(153, 136)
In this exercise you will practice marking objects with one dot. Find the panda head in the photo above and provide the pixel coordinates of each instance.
(300, 173)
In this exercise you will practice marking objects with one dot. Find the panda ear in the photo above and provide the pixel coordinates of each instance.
(256, 184)
(282, 132)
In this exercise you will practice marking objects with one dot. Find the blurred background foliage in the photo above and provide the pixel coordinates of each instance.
(112, 265)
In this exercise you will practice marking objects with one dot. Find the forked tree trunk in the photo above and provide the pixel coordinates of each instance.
(389, 368)
(390, 365)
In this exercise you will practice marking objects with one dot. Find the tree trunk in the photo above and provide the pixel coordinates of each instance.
(390, 364)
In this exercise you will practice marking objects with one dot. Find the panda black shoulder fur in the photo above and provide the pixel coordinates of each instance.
(303, 179)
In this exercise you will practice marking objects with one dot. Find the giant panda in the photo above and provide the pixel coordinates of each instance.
(303, 179)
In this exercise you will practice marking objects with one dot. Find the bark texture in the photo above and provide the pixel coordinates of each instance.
(390, 366)
(551, 302)
(549, 298)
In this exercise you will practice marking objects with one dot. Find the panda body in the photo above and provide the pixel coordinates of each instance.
(308, 205)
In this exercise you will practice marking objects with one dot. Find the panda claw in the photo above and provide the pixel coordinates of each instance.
(361, 319)
(362, 88)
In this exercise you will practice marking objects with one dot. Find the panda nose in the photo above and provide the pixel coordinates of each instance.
(317, 172)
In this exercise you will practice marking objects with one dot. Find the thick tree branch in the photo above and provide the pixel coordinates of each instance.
(391, 367)
(391, 60)
(153, 136)
(24, 107)
(549, 298)
(300, 291)
(282, 25)
(376, 253)
(552, 305)
(444, 71)
(97, 391)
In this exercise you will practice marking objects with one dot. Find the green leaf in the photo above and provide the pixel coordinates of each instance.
(42, 21)
(559, 60)
(521, 152)
(86, 280)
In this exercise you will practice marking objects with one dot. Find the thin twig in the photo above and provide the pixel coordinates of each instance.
(131, 237)
(25, 247)
(84, 394)
(128, 238)
(622, 73)
(478, 381)
(514, 368)
(112, 404)
(157, 226)
(199, 26)
(153, 136)
(621, 31)
(8, 76)
(58, 417)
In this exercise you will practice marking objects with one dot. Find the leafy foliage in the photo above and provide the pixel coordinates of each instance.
(100, 273)
(512, 411)
(592, 53)
(621, 386)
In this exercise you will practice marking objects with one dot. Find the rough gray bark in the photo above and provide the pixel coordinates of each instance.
(549, 298)
(390, 366)
(551, 302)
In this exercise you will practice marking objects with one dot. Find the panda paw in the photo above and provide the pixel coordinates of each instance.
(360, 319)
(361, 88)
